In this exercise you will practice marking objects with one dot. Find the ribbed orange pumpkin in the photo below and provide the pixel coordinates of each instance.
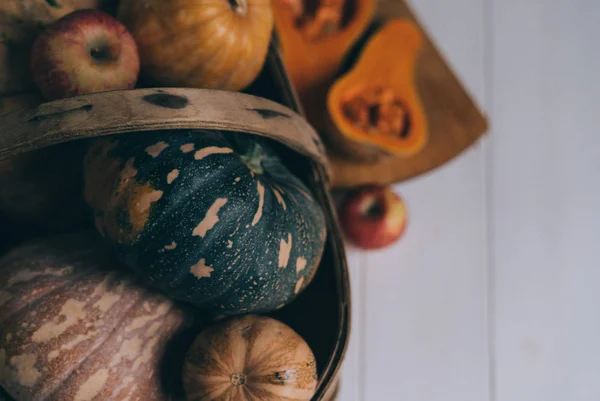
(250, 358)
(214, 44)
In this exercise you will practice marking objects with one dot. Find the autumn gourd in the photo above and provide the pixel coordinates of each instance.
(375, 110)
(213, 219)
(249, 358)
(20, 23)
(216, 44)
(315, 37)
(74, 325)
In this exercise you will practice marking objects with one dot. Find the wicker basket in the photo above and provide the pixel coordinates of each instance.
(321, 313)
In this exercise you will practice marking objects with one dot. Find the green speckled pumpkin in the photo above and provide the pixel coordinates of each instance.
(212, 219)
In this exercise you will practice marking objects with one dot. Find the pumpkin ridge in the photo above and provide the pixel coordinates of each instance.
(201, 69)
(227, 292)
(249, 393)
(234, 76)
(36, 300)
(167, 288)
(260, 393)
(121, 333)
(249, 345)
(143, 292)
(272, 181)
(258, 361)
(93, 350)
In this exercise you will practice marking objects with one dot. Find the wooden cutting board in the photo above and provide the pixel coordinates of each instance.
(455, 121)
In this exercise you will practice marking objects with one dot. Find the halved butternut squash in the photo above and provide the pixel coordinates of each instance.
(374, 110)
(315, 36)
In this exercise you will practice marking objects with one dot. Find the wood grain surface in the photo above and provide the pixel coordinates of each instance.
(419, 323)
(494, 288)
(455, 121)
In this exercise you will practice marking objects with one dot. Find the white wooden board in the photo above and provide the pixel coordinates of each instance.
(492, 294)
(545, 199)
(420, 330)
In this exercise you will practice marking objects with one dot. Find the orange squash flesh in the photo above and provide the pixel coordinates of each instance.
(312, 63)
(382, 80)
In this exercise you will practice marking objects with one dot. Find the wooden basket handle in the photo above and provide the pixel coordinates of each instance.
(118, 112)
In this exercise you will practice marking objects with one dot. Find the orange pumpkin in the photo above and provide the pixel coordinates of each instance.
(214, 44)
(249, 358)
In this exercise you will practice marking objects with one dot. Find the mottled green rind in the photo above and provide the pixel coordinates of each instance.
(246, 276)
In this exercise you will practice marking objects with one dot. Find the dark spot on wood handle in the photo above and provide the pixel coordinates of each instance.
(41, 117)
(53, 3)
(166, 100)
(268, 113)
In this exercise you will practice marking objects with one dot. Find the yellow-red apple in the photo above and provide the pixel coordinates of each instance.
(85, 51)
(373, 217)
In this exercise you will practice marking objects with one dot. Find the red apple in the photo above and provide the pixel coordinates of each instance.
(85, 51)
(373, 217)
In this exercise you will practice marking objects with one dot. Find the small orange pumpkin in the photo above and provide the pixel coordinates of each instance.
(213, 44)
(250, 358)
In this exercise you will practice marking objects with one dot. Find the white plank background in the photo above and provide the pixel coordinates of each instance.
(493, 293)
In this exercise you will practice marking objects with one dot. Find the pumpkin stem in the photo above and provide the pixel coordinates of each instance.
(253, 159)
(240, 7)
(238, 379)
